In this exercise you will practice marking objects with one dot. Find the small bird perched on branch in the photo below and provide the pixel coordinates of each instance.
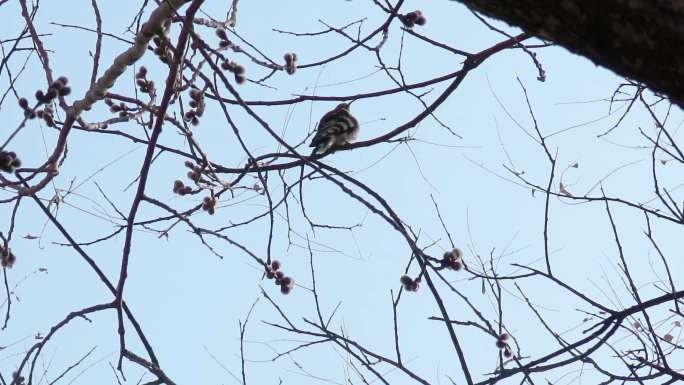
(336, 128)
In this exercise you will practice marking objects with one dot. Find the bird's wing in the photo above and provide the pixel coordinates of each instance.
(328, 117)
(327, 126)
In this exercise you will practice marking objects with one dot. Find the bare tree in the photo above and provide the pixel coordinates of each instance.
(173, 184)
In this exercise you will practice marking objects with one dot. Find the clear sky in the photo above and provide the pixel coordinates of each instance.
(190, 301)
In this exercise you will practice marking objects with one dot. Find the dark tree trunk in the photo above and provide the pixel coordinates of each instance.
(639, 39)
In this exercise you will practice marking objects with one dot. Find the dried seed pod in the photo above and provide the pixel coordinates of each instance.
(413, 286)
(7, 258)
(64, 91)
(405, 280)
(287, 281)
(9, 161)
(227, 65)
(291, 69)
(142, 72)
(178, 185)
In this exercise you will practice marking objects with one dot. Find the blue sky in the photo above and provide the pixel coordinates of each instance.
(190, 301)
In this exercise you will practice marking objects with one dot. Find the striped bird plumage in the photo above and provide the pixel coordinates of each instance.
(336, 128)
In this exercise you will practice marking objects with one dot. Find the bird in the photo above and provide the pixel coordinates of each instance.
(336, 128)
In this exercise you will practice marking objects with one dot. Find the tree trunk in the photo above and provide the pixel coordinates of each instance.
(639, 39)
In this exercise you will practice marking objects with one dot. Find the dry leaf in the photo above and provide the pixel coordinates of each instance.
(563, 190)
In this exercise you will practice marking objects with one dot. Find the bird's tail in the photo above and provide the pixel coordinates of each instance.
(323, 147)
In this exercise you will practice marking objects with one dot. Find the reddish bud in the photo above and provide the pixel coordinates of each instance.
(142, 72)
(405, 280)
(287, 281)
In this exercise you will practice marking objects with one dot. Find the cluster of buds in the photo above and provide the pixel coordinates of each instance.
(47, 114)
(236, 69)
(145, 86)
(7, 258)
(197, 105)
(28, 112)
(286, 283)
(412, 18)
(502, 344)
(195, 173)
(223, 38)
(121, 108)
(180, 188)
(57, 88)
(209, 205)
(162, 50)
(409, 283)
(9, 161)
(453, 259)
(197, 44)
(290, 63)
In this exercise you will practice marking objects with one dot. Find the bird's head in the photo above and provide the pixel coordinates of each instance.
(342, 106)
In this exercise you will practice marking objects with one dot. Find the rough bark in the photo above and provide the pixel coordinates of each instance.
(639, 39)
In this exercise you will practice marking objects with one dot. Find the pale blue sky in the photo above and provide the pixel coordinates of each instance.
(189, 301)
